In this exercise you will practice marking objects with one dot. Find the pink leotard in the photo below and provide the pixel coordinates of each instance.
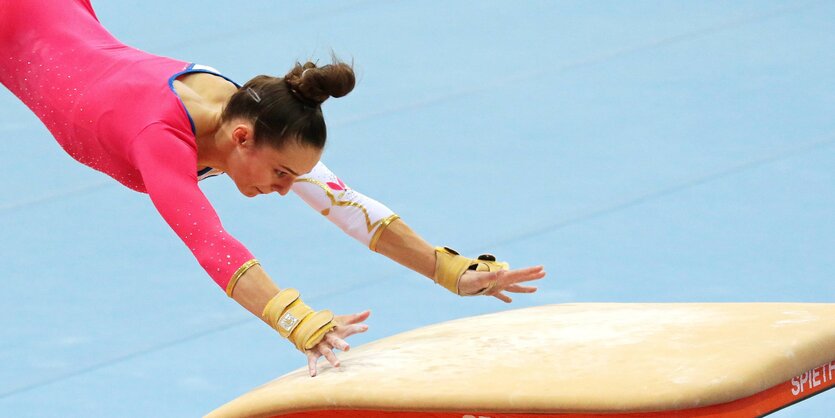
(112, 107)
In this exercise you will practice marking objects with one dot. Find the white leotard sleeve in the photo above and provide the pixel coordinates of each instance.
(358, 215)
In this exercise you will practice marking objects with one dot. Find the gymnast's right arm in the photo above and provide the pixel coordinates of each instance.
(168, 167)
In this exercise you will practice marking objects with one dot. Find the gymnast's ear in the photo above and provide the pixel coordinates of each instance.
(243, 134)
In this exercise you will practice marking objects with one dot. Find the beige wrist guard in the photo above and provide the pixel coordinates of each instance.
(296, 321)
(449, 267)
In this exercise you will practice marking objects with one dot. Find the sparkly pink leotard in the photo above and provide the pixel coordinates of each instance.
(112, 107)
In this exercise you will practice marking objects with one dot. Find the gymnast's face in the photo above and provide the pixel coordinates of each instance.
(262, 169)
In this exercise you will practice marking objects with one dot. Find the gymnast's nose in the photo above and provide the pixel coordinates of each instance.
(283, 187)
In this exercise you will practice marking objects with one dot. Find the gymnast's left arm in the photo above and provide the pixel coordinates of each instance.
(378, 227)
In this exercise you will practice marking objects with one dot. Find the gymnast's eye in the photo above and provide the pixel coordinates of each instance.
(280, 173)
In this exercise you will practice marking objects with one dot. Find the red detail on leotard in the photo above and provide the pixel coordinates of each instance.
(338, 186)
(111, 108)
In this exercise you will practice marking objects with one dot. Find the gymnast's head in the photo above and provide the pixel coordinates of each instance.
(277, 125)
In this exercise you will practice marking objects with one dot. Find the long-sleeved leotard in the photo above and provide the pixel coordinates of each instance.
(113, 108)
(359, 216)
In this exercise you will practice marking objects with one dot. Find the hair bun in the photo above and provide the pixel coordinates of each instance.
(313, 85)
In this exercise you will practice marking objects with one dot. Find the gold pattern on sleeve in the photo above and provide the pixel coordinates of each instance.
(383, 225)
(336, 202)
(238, 273)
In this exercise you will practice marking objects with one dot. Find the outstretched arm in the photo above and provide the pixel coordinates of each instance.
(479, 277)
(376, 226)
(359, 216)
(404, 246)
(167, 163)
(255, 291)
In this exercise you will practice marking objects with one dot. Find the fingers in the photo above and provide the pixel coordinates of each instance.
(311, 362)
(328, 353)
(336, 342)
(502, 297)
(360, 317)
(515, 288)
(507, 280)
(335, 339)
(353, 319)
(322, 349)
(349, 330)
(522, 275)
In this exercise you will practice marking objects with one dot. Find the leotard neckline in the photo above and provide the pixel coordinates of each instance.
(197, 68)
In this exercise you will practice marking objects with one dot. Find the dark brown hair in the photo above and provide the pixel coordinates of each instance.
(289, 107)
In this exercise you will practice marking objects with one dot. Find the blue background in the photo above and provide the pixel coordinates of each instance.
(643, 151)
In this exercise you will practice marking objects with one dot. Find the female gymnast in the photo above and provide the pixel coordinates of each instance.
(158, 126)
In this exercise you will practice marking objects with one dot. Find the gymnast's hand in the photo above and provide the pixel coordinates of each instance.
(346, 325)
(495, 283)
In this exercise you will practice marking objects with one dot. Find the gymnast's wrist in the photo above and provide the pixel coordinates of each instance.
(295, 321)
(252, 287)
(451, 266)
